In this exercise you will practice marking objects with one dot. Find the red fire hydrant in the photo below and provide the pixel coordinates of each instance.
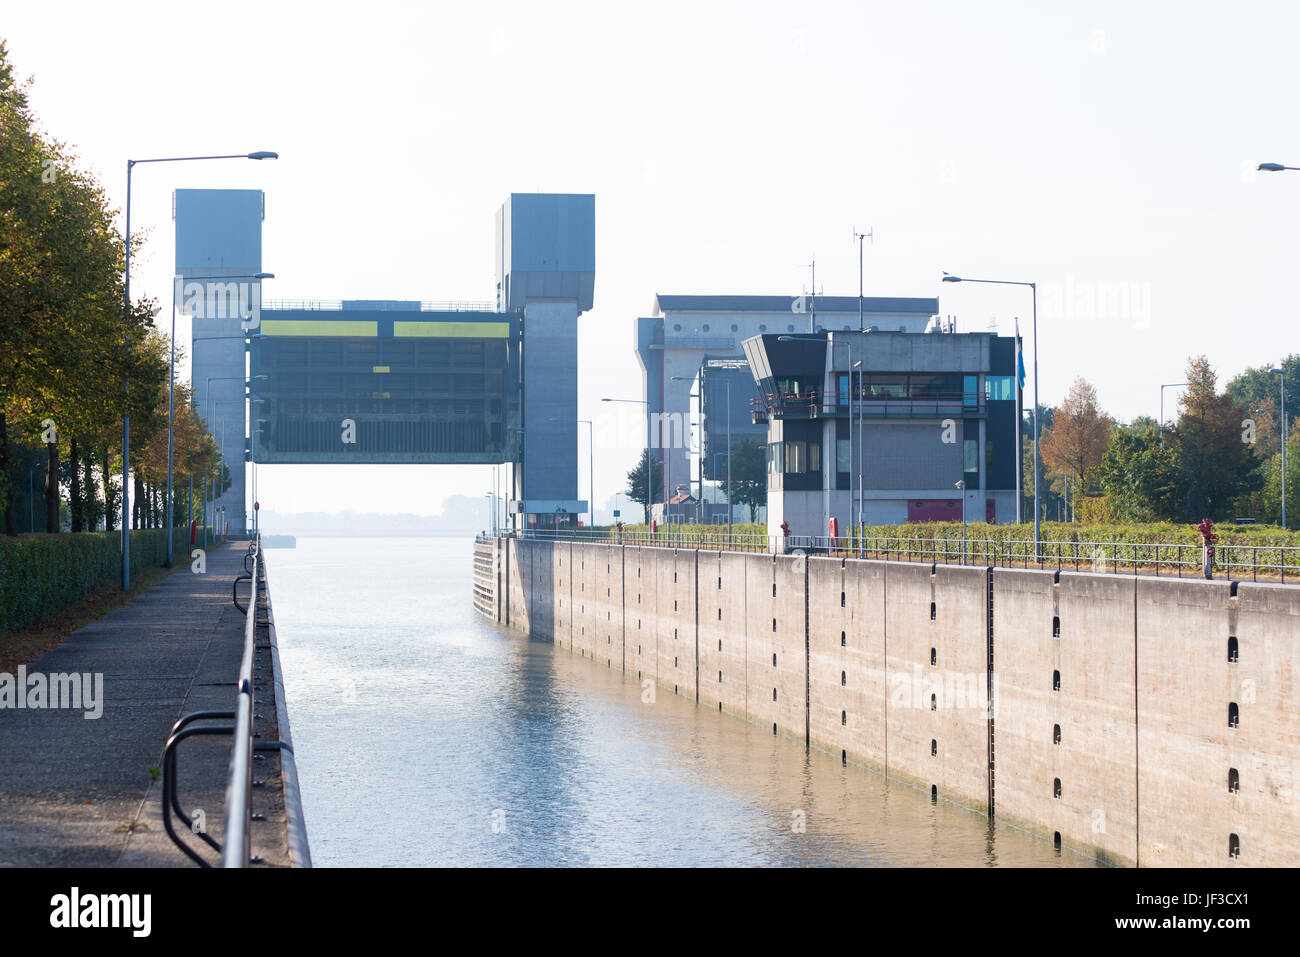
(1208, 538)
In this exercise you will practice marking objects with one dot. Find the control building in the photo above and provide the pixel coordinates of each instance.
(893, 426)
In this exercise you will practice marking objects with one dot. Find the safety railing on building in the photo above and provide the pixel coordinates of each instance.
(335, 305)
(817, 404)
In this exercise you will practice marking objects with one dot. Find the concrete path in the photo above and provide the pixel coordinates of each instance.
(78, 793)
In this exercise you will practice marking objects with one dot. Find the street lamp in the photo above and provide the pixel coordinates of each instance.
(1274, 167)
(862, 492)
(649, 472)
(1282, 373)
(961, 484)
(171, 392)
(126, 345)
(1167, 385)
(1037, 499)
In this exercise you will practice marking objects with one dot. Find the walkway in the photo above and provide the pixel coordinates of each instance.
(78, 793)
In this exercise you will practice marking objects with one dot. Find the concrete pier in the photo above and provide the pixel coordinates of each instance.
(1143, 721)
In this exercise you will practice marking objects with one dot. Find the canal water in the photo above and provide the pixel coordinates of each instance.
(427, 736)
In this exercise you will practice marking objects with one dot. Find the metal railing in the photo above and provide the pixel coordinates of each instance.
(1159, 559)
(336, 305)
(815, 404)
(235, 851)
(235, 846)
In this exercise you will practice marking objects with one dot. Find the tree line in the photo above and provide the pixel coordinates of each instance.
(1220, 457)
(73, 361)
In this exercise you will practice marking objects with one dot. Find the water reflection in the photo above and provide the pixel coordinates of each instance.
(426, 736)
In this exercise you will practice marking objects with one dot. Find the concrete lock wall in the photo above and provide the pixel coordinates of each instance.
(1093, 709)
(848, 686)
(1064, 708)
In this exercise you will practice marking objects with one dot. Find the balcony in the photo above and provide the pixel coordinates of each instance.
(814, 405)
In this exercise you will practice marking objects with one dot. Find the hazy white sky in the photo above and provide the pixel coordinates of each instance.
(1104, 150)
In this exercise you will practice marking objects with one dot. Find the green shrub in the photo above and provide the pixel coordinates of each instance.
(41, 575)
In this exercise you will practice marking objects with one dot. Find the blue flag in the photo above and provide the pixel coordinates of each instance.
(1020, 356)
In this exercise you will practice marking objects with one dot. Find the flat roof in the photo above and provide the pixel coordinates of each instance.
(873, 304)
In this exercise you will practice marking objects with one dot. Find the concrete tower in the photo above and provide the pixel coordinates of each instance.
(219, 233)
(546, 265)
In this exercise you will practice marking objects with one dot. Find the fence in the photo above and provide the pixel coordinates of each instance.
(1181, 560)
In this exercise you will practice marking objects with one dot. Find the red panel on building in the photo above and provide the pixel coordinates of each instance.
(934, 510)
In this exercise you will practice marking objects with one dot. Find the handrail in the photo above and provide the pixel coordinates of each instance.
(235, 841)
(1256, 562)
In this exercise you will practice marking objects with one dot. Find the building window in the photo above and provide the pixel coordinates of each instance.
(1000, 388)
(1234, 781)
(1232, 648)
(1234, 715)
(934, 748)
(796, 458)
(1056, 787)
(844, 717)
(843, 455)
(1056, 682)
(1234, 845)
(1056, 734)
(970, 455)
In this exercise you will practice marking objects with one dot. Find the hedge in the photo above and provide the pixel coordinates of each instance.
(41, 575)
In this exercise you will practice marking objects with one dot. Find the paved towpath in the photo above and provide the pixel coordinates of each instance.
(78, 793)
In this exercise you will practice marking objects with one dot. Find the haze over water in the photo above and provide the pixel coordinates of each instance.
(414, 720)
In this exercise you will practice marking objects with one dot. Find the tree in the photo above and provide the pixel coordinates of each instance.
(1080, 434)
(1257, 387)
(1139, 475)
(61, 260)
(1271, 484)
(644, 480)
(1216, 462)
(749, 474)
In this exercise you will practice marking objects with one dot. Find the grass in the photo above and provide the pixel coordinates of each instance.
(23, 645)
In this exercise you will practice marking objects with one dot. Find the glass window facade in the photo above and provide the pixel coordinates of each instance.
(1000, 388)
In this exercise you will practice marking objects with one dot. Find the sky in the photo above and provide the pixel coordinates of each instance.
(1105, 151)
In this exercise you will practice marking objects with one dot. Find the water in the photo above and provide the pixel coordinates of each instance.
(427, 736)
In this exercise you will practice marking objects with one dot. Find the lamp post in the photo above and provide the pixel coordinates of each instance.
(1167, 385)
(700, 482)
(591, 471)
(649, 470)
(126, 350)
(862, 491)
(1033, 287)
(171, 391)
(1274, 167)
(517, 476)
(1282, 372)
(961, 484)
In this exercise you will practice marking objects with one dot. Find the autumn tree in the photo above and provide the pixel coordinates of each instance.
(1217, 462)
(1076, 443)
